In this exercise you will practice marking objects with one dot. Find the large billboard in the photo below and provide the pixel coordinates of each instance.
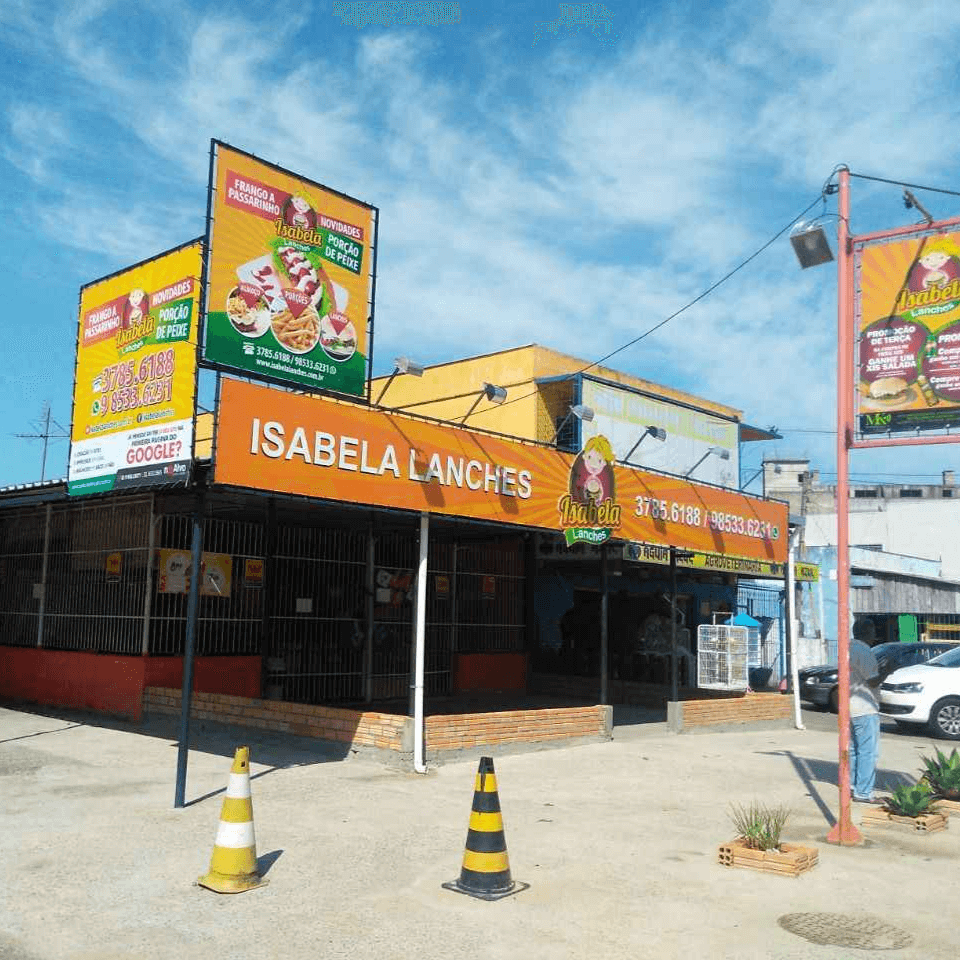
(907, 307)
(289, 277)
(622, 415)
(135, 380)
(285, 442)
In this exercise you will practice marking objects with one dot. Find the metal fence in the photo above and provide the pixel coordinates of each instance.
(765, 604)
(331, 608)
(22, 535)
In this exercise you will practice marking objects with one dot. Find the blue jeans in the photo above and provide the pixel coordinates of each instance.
(864, 748)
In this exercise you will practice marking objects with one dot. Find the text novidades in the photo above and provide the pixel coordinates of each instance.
(357, 455)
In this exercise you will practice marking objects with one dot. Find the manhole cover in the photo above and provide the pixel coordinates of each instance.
(842, 930)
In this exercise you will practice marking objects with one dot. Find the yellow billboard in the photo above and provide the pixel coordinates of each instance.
(135, 380)
(290, 268)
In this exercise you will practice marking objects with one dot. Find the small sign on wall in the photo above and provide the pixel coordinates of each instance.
(489, 587)
(253, 572)
(442, 583)
(113, 567)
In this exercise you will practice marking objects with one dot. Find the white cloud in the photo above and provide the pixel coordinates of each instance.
(37, 135)
(126, 232)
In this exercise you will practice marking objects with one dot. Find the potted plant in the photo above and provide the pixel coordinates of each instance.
(758, 845)
(943, 775)
(909, 806)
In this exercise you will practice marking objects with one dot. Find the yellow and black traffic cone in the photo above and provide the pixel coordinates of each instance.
(486, 867)
(233, 867)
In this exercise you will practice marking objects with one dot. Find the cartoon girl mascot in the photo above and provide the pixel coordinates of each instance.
(591, 477)
(938, 263)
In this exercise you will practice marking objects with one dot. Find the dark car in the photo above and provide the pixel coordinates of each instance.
(819, 684)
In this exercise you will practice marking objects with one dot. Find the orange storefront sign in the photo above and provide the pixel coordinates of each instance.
(317, 447)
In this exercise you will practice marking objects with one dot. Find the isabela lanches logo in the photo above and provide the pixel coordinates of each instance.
(574, 16)
(590, 512)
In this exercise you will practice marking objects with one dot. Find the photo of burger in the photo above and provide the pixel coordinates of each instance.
(886, 392)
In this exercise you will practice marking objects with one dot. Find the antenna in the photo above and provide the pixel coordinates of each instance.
(42, 426)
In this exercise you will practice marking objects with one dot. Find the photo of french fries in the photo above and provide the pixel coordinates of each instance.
(297, 334)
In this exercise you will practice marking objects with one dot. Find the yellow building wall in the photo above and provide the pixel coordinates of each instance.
(446, 391)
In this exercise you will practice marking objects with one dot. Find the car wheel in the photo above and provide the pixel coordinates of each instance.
(945, 718)
(834, 701)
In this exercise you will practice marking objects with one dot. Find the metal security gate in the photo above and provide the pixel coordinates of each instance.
(316, 622)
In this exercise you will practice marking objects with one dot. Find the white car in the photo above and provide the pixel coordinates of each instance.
(927, 693)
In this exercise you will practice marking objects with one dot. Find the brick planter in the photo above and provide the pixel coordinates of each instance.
(947, 806)
(790, 860)
(925, 823)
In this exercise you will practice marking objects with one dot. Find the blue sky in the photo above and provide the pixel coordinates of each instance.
(569, 192)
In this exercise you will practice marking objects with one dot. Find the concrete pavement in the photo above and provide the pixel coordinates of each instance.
(617, 840)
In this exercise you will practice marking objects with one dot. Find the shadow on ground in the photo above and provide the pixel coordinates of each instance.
(815, 771)
(267, 748)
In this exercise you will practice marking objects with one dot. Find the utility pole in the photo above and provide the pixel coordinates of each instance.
(43, 433)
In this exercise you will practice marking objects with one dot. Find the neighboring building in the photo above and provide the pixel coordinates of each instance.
(904, 549)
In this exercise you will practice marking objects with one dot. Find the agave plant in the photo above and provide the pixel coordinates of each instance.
(909, 800)
(758, 825)
(943, 774)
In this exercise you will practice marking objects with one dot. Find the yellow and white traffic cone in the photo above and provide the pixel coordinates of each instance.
(233, 867)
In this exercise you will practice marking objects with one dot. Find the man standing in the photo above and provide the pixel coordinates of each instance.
(864, 711)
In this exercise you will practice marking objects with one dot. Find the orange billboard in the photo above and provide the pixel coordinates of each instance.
(317, 447)
(907, 297)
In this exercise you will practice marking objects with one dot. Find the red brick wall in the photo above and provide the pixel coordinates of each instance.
(456, 732)
(304, 720)
(745, 709)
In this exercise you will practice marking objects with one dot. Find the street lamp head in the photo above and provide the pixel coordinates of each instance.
(494, 393)
(720, 452)
(658, 433)
(582, 412)
(810, 245)
(408, 366)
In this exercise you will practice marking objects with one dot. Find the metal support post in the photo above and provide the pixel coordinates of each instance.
(604, 632)
(193, 602)
(420, 636)
(674, 665)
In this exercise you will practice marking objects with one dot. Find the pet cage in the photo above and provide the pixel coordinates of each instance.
(722, 657)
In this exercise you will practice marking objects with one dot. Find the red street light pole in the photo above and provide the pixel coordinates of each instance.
(844, 832)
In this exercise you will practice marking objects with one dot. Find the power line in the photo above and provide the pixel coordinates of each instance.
(900, 183)
(630, 343)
